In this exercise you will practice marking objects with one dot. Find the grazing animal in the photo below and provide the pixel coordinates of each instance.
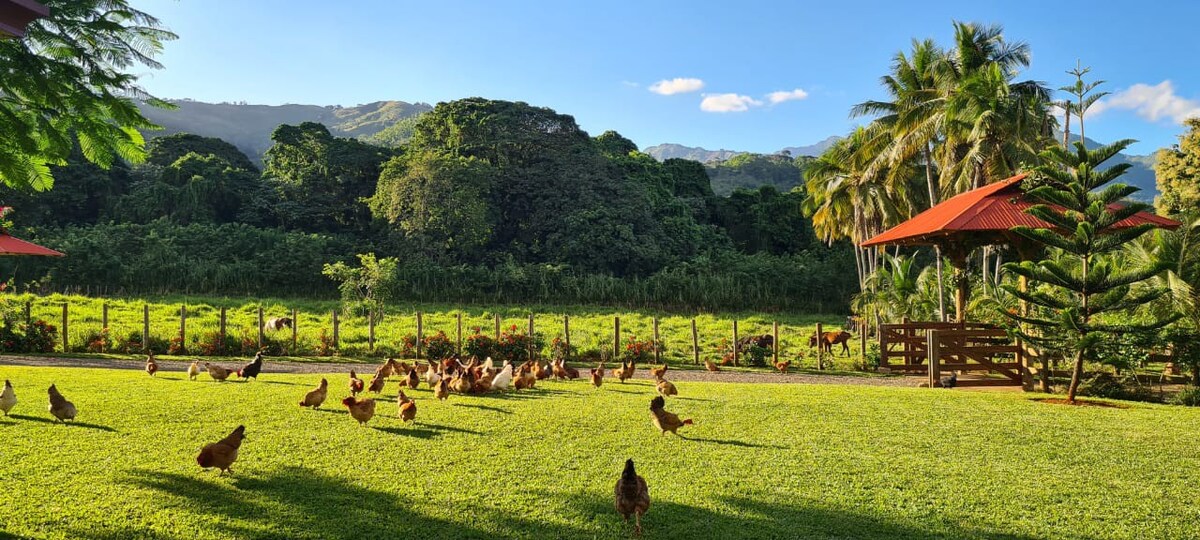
(765, 341)
(829, 339)
(62, 409)
(151, 365)
(632, 496)
(222, 453)
(193, 370)
(8, 398)
(406, 408)
(251, 370)
(663, 420)
(315, 397)
(275, 324)
(356, 384)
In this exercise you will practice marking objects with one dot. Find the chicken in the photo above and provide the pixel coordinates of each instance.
(406, 408)
(525, 378)
(59, 406)
(388, 367)
(413, 380)
(632, 496)
(540, 372)
(315, 397)
(222, 453)
(597, 376)
(218, 373)
(666, 388)
(442, 390)
(709, 365)
(377, 383)
(361, 409)
(193, 370)
(664, 420)
(503, 379)
(431, 375)
(489, 366)
(783, 366)
(251, 370)
(481, 386)
(625, 372)
(948, 382)
(572, 373)
(560, 372)
(151, 365)
(463, 383)
(356, 384)
(659, 372)
(8, 398)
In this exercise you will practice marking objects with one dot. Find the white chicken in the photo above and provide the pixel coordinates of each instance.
(504, 378)
(431, 375)
(8, 398)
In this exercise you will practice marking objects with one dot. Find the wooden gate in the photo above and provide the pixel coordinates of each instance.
(976, 350)
(906, 344)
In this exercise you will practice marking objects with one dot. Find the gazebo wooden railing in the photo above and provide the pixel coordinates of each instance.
(939, 348)
(906, 342)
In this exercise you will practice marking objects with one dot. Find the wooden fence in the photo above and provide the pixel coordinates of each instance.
(975, 350)
(907, 342)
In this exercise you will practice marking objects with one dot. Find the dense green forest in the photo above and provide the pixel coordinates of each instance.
(485, 199)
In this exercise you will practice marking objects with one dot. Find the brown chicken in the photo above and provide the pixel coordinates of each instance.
(463, 383)
(572, 373)
(361, 409)
(406, 408)
(625, 372)
(413, 379)
(541, 372)
(193, 370)
(222, 453)
(481, 386)
(559, 371)
(151, 365)
(356, 384)
(442, 390)
(666, 388)
(597, 377)
(218, 373)
(709, 365)
(632, 496)
(664, 420)
(658, 372)
(315, 397)
(377, 383)
(59, 406)
(783, 366)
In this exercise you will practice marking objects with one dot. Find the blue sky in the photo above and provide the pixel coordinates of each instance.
(598, 61)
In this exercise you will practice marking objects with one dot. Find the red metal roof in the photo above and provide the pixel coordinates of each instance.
(994, 208)
(11, 246)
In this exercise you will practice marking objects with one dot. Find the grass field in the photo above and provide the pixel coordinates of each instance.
(591, 327)
(762, 461)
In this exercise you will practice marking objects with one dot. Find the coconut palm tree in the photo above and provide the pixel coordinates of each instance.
(1179, 252)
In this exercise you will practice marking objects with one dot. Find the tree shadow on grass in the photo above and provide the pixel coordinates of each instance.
(755, 518)
(483, 408)
(422, 430)
(70, 423)
(295, 502)
(730, 442)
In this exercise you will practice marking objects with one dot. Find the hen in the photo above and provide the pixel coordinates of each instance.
(632, 496)
(315, 397)
(251, 370)
(151, 365)
(193, 370)
(783, 366)
(222, 453)
(406, 408)
(218, 373)
(666, 388)
(431, 375)
(664, 420)
(377, 383)
(504, 378)
(356, 384)
(413, 380)
(659, 372)
(709, 365)
(59, 406)
(597, 376)
(442, 390)
(361, 409)
(8, 398)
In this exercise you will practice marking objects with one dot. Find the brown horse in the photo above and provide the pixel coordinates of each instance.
(829, 339)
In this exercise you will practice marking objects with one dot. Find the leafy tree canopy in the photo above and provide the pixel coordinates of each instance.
(1178, 173)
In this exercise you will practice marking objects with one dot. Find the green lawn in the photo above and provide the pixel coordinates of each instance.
(762, 461)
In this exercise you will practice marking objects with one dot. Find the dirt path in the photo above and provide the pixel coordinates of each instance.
(325, 367)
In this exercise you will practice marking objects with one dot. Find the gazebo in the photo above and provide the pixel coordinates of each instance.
(980, 217)
(11, 246)
(15, 15)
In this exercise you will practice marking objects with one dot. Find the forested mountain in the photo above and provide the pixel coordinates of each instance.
(695, 153)
(249, 127)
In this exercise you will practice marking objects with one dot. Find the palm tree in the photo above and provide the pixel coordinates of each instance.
(1178, 251)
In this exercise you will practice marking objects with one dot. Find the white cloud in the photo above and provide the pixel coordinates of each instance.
(781, 96)
(1153, 103)
(678, 85)
(630, 84)
(723, 103)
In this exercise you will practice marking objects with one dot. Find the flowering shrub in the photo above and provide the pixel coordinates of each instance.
(132, 344)
(212, 344)
(176, 347)
(560, 350)
(479, 345)
(514, 346)
(408, 346)
(10, 340)
(325, 344)
(438, 346)
(639, 351)
(39, 337)
(97, 342)
(750, 354)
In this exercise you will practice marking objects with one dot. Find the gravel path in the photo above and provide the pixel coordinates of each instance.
(333, 367)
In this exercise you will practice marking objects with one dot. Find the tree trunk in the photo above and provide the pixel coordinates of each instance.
(1076, 376)
(937, 250)
(929, 181)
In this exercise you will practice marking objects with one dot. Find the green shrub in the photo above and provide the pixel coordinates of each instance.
(1104, 385)
(1189, 396)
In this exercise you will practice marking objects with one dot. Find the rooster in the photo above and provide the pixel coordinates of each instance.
(597, 376)
(62, 409)
(251, 370)
(222, 453)
(8, 398)
(356, 384)
(664, 420)
(413, 380)
(151, 365)
(193, 370)
(632, 496)
(361, 409)
(315, 397)
(218, 373)
(659, 372)
(406, 408)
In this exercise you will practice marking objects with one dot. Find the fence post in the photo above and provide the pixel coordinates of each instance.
(420, 332)
(657, 347)
(531, 336)
(260, 327)
(932, 347)
(458, 316)
(335, 328)
(616, 337)
(567, 330)
(695, 344)
(28, 312)
(104, 327)
(775, 342)
(736, 346)
(820, 348)
(183, 326)
(862, 342)
(221, 331)
(371, 329)
(64, 328)
(295, 325)
(497, 327)
(145, 327)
